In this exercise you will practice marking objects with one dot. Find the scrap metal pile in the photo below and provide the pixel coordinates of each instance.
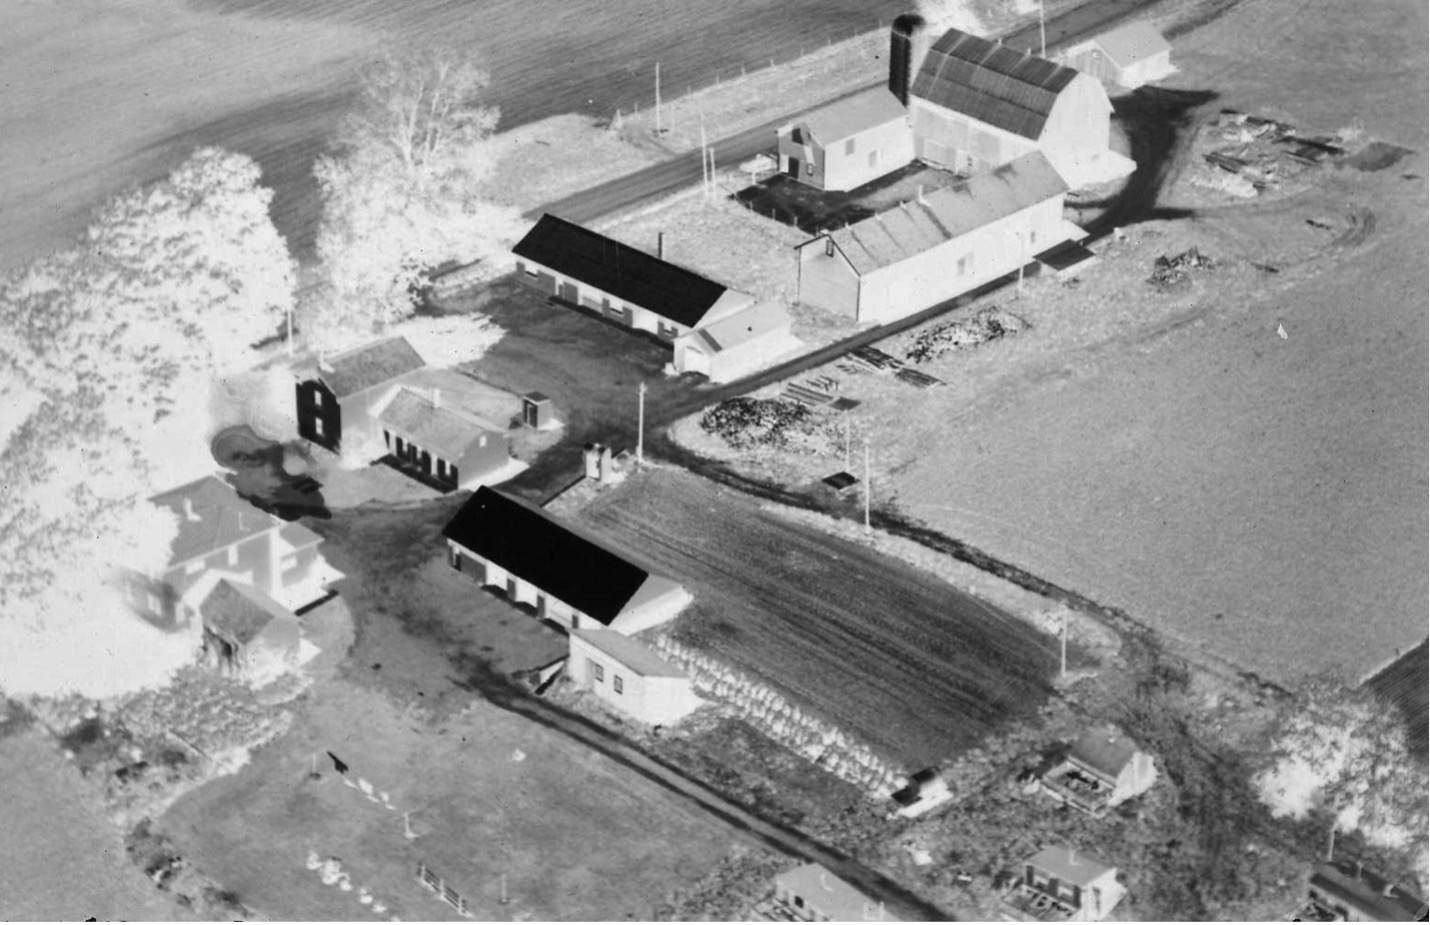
(1173, 271)
(1253, 153)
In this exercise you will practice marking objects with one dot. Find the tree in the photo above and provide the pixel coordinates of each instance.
(1338, 749)
(403, 196)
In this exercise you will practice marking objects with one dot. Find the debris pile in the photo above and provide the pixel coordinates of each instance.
(1173, 271)
(1249, 154)
(987, 324)
(747, 423)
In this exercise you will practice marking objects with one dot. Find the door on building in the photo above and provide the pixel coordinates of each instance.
(546, 283)
(426, 463)
(570, 294)
(793, 169)
(511, 589)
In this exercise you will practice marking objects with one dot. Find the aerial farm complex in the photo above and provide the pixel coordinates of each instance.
(874, 532)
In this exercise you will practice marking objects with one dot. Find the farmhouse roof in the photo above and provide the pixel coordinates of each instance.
(1069, 865)
(238, 612)
(629, 652)
(1379, 899)
(992, 83)
(432, 426)
(211, 517)
(628, 274)
(947, 213)
(743, 326)
(530, 544)
(362, 368)
(834, 898)
(852, 115)
(1131, 43)
(1104, 750)
(297, 535)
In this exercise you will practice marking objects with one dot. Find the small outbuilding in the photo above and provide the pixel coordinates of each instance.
(1347, 891)
(339, 392)
(1125, 58)
(848, 143)
(1102, 769)
(437, 445)
(247, 633)
(1064, 884)
(629, 677)
(810, 893)
(736, 345)
(565, 575)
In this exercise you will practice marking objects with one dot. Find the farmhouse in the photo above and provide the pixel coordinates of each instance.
(939, 246)
(437, 445)
(567, 577)
(847, 143)
(626, 675)
(736, 345)
(340, 391)
(1346, 891)
(246, 632)
(1103, 769)
(975, 105)
(220, 532)
(810, 893)
(1127, 57)
(618, 282)
(1066, 884)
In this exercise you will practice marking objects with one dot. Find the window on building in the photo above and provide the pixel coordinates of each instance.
(965, 265)
(194, 567)
(318, 427)
(233, 555)
(849, 146)
(829, 247)
(154, 603)
(1032, 236)
(289, 561)
(452, 473)
(617, 684)
(798, 901)
(482, 440)
(599, 671)
(796, 136)
(874, 158)
(809, 169)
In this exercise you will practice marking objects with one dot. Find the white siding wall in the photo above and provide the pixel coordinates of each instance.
(957, 142)
(1078, 128)
(893, 144)
(651, 611)
(827, 282)
(655, 700)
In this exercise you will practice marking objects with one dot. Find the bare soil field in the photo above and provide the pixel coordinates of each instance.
(60, 856)
(899, 658)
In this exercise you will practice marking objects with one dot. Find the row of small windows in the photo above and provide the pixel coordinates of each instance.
(599, 671)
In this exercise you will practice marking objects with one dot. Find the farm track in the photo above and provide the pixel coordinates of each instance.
(897, 657)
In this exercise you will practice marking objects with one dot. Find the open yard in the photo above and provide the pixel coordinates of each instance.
(896, 656)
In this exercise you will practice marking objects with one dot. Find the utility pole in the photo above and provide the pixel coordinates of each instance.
(1064, 673)
(704, 164)
(846, 441)
(658, 129)
(867, 528)
(1042, 29)
(1022, 261)
(711, 152)
(504, 899)
(407, 825)
(640, 428)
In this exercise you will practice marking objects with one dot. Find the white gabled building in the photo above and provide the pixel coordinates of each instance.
(1127, 57)
(848, 143)
(629, 677)
(736, 345)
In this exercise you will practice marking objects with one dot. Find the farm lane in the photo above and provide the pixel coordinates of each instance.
(684, 170)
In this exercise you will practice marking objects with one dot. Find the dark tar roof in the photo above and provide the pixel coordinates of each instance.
(238, 612)
(1371, 893)
(527, 542)
(992, 83)
(624, 272)
(362, 368)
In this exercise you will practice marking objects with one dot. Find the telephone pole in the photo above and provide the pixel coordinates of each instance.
(1064, 673)
(640, 428)
(658, 129)
(1042, 29)
(867, 528)
(704, 163)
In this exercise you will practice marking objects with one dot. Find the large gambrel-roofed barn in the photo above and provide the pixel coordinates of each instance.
(567, 576)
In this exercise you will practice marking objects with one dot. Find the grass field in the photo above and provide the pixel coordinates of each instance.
(895, 656)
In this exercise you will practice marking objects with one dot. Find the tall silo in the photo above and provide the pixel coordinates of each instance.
(909, 40)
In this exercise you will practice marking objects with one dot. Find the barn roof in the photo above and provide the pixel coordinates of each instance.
(1104, 750)
(629, 652)
(238, 612)
(1373, 895)
(992, 83)
(745, 325)
(629, 274)
(947, 213)
(433, 427)
(362, 368)
(1069, 865)
(530, 544)
(1133, 42)
(214, 518)
(848, 117)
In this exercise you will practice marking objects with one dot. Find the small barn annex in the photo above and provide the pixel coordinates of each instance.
(1127, 57)
(438, 445)
(566, 576)
(847, 143)
(937, 247)
(247, 633)
(339, 392)
(629, 677)
(618, 282)
(737, 344)
(1067, 884)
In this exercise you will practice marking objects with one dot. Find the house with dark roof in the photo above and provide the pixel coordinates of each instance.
(1103, 769)
(628, 677)
(938, 246)
(1063, 884)
(1347, 891)
(436, 444)
(736, 345)
(623, 284)
(220, 533)
(562, 573)
(847, 143)
(246, 633)
(338, 392)
(1127, 57)
(975, 105)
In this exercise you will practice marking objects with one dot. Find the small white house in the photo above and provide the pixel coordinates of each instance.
(1127, 57)
(1064, 884)
(629, 677)
(736, 345)
(1103, 769)
(810, 893)
(848, 143)
(436, 443)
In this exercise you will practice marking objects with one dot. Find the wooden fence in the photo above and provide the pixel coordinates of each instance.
(439, 886)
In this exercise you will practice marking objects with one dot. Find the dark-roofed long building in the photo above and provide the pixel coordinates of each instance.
(975, 104)
(939, 246)
(618, 282)
(568, 577)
